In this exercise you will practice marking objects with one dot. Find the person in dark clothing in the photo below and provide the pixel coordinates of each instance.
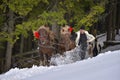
(83, 44)
(82, 38)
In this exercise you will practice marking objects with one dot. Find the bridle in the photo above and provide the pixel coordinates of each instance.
(43, 36)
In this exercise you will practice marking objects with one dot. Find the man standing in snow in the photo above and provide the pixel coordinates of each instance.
(82, 38)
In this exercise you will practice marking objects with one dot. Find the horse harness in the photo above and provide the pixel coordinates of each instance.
(44, 40)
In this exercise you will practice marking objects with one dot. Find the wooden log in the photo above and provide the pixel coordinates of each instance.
(111, 43)
(26, 53)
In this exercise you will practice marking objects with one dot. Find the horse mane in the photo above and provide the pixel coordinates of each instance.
(43, 27)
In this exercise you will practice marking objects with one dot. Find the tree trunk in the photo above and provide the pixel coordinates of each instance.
(114, 20)
(25, 47)
(2, 53)
(29, 43)
(8, 56)
(9, 45)
(21, 44)
(108, 27)
(118, 17)
(109, 21)
(56, 30)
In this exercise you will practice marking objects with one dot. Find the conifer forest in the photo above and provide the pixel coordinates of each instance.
(19, 18)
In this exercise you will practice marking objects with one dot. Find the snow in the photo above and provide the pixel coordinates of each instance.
(105, 66)
(67, 57)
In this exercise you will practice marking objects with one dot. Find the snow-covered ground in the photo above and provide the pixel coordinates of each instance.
(106, 66)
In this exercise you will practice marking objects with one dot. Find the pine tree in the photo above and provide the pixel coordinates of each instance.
(9, 10)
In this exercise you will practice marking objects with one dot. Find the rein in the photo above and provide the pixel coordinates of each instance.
(47, 46)
(52, 43)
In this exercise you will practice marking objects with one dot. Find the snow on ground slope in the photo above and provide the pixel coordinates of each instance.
(105, 66)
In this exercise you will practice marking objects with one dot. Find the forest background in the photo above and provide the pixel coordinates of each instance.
(18, 20)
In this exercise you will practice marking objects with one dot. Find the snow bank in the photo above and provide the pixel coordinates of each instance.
(105, 66)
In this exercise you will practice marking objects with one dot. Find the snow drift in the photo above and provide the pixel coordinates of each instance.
(105, 66)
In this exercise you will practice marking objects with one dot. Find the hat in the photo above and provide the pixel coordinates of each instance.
(82, 27)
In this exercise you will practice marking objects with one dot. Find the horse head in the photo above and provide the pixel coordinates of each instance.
(44, 36)
(68, 44)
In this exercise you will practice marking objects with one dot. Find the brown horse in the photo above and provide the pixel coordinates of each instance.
(66, 43)
(46, 46)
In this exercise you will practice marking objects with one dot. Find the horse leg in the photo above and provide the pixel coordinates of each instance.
(44, 60)
(41, 59)
(48, 60)
(90, 51)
